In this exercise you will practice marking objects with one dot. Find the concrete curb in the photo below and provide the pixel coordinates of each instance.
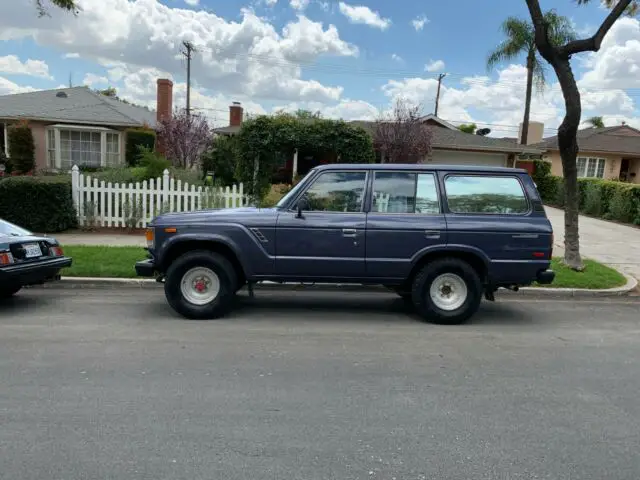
(113, 283)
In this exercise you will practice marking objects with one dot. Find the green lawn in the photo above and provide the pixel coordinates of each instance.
(594, 276)
(118, 262)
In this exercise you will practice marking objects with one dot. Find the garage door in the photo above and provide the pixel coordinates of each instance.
(448, 157)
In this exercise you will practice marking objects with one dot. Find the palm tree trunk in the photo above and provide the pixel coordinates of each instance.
(527, 100)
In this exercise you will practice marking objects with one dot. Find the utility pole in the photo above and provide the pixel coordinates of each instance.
(188, 53)
(440, 77)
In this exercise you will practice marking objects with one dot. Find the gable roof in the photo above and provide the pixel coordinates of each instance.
(454, 139)
(619, 139)
(80, 105)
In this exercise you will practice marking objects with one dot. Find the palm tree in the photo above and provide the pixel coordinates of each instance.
(521, 40)
(595, 122)
(67, 5)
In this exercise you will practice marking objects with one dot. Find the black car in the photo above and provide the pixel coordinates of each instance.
(27, 259)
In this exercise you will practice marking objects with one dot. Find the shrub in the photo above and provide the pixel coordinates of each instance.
(136, 138)
(545, 182)
(623, 206)
(221, 159)
(593, 199)
(274, 195)
(154, 163)
(39, 204)
(21, 148)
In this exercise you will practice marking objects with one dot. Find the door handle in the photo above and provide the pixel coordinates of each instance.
(349, 232)
(432, 234)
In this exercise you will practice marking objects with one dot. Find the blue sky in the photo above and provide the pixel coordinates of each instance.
(347, 67)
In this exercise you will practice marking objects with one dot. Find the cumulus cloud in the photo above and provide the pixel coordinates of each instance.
(249, 56)
(11, 64)
(359, 14)
(419, 22)
(7, 87)
(434, 66)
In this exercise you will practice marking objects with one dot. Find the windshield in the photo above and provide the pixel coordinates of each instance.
(11, 230)
(294, 191)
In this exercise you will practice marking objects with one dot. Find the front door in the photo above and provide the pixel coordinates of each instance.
(405, 220)
(328, 239)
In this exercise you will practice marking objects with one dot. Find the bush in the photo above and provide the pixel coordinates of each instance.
(275, 194)
(592, 198)
(136, 138)
(22, 149)
(623, 206)
(154, 163)
(221, 159)
(545, 182)
(39, 204)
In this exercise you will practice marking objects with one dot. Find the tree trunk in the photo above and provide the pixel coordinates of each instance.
(527, 101)
(568, 145)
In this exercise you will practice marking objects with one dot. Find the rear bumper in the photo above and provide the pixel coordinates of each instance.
(545, 277)
(146, 268)
(33, 273)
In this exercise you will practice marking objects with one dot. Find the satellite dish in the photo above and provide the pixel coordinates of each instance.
(483, 131)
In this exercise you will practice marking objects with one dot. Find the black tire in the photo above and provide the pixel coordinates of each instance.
(425, 278)
(227, 277)
(9, 291)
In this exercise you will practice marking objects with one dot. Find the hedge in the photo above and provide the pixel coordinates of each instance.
(39, 204)
(607, 199)
(22, 148)
(136, 138)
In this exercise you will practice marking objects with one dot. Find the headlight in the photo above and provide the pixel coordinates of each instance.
(150, 235)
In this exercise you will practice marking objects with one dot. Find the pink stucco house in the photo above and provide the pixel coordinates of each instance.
(77, 126)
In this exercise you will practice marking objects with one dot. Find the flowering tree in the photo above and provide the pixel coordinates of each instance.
(184, 138)
(402, 136)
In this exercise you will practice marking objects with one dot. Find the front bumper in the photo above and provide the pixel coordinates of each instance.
(545, 277)
(146, 268)
(33, 273)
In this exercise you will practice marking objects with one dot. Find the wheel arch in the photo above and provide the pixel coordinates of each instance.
(478, 261)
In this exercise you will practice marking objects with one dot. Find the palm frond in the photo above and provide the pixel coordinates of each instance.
(631, 10)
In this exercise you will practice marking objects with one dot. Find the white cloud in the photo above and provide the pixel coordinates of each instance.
(11, 64)
(91, 79)
(299, 4)
(271, 3)
(419, 22)
(71, 55)
(346, 109)
(359, 14)
(434, 66)
(7, 87)
(396, 57)
(245, 57)
(192, 3)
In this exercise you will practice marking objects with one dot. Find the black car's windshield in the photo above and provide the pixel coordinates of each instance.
(293, 192)
(11, 230)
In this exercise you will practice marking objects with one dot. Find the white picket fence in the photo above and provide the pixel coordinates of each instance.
(101, 204)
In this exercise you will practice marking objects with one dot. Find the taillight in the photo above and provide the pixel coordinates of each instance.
(56, 251)
(6, 258)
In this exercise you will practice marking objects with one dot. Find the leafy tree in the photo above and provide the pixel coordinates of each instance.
(468, 128)
(221, 159)
(67, 5)
(402, 136)
(558, 55)
(521, 40)
(596, 122)
(22, 150)
(184, 138)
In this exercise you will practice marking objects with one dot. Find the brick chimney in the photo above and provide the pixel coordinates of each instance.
(235, 114)
(164, 101)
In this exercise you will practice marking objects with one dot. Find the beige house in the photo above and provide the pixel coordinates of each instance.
(610, 153)
(77, 126)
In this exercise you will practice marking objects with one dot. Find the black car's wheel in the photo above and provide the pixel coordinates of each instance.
(447, 291)
(9, 291)
(200, 285)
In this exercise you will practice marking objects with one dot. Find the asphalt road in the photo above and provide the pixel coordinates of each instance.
(109, 384)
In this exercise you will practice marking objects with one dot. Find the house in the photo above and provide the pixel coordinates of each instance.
(449, 144)
(609, 152)
(77, 126)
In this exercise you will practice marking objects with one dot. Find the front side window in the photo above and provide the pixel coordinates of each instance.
(337, 192)
(405, 192)
(485, 194)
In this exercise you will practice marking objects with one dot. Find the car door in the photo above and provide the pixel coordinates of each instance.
(328, 239)
(405, 220)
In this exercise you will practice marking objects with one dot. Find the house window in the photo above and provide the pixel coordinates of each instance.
(82, 146)
(590, 167)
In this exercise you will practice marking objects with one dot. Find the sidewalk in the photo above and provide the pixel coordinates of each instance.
(107, 239)
(606, 242)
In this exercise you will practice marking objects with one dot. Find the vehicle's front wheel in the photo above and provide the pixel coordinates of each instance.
(9, 291)
(447, 291)
(200, 285)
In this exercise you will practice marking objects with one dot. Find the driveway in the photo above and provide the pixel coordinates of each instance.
(607, 242)
(101, 384)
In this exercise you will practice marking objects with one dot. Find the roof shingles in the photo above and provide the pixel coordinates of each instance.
(619, 139)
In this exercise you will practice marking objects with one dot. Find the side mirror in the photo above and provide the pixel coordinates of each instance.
(303, 204)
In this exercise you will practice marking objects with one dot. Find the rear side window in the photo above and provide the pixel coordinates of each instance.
(405, 192)
(485, 194)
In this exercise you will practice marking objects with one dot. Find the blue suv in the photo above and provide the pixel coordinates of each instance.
(442, 237)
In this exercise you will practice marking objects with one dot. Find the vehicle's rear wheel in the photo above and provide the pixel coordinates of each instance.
(9, 291)
(200, 285)
(447, 291)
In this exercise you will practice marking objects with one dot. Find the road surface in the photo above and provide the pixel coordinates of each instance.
(109, 384)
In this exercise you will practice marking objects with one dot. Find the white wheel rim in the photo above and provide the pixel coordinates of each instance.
(448, 292)
(200, 286)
